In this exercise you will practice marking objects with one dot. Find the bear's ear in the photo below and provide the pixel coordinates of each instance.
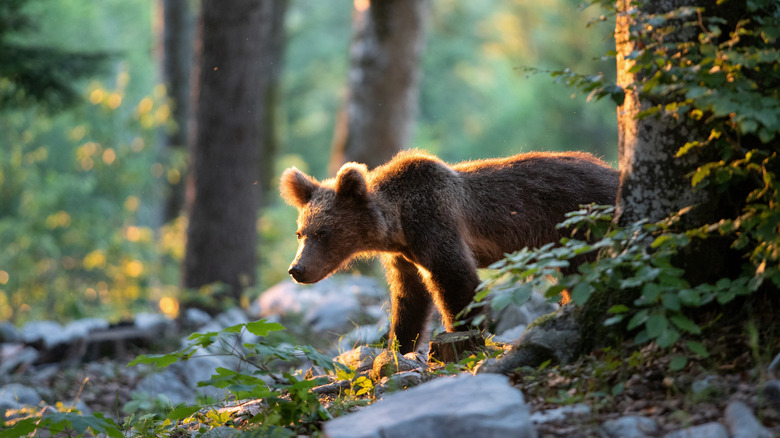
(351, 181)
(296, 187)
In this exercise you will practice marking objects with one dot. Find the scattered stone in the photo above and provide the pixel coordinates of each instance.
(397, 382)
(742, 422)
(150, 321)
(196, 317)
(44, 334)
(16, 356)
(772, 391)
(390, 362)
(167, 383)
(774, 367)
(8, 332)
(631, 426)
(363, 335)
(552, 337)
(334, 388)
(452, 347)
(20, 394)
(703, 387)
(466, 405)
(708, 430)
(560, 414)
(359, 357)
(513, 315)
(511, 335)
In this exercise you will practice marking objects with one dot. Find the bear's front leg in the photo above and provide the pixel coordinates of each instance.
(450, 275)
(410, 302)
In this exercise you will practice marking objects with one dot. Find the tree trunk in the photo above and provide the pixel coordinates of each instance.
(377, 119)
(653, 181)
(178, 27)
(229, 110)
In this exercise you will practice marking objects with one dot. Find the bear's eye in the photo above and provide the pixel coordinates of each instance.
(321, 234)
(299, 235)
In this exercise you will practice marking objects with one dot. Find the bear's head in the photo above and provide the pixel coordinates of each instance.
(337, 219)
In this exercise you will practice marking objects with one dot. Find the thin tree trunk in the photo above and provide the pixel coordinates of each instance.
(178, 31)
(229, 100)
(378, 116)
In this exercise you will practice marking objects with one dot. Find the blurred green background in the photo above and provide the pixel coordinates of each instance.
(81, 188)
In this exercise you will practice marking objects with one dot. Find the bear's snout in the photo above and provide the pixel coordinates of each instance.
(296, 271)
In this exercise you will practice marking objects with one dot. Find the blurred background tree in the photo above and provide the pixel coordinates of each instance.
(230, 94)
(380, 108)
(83, 189)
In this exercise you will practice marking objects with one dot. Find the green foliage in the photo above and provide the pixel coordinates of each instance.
(724, 83)
(289, 405)
(34, 73)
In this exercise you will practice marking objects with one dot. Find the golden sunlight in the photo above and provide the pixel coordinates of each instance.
(4, 277)
(169, 306)
(362, 5)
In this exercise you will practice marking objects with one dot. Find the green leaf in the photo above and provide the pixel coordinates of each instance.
(638, 319)
(263, 327)
(613, 320)
(683, 323)
(671, 301)
(656, 324)
(580, 293)
(158, 360)
(698, 348)
(618, 308)
(182, 412)
(677, 363)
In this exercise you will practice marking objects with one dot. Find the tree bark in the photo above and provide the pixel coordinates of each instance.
(653, 181)
(379, 112)
(227, 131)
(178, 30)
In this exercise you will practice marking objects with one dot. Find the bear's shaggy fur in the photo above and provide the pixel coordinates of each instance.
(435, 224)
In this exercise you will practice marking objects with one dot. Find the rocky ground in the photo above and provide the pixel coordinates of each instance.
(612, 394)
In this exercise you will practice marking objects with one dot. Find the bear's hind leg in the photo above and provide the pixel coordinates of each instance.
(410, 301)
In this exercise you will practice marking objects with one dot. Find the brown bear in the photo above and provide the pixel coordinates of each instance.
(435, 224)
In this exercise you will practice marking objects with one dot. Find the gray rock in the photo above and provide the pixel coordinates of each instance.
(8, 332)
(390, 362)
(560, 414)
(511, 335)
(20, 394)
(151, 321)
(82, 327)
(702, 386)
(15, 396)
(362, 335)
(466, 405)
(330, 305)
(47, 333)
(742, 422)
(13, 356)
(358, 357)
(196, 317)
(167, 383)
(556, 338)
(772, 391)
(513, 315)
(631, 426)
(397, 382)
(708, 430)
(774, 367)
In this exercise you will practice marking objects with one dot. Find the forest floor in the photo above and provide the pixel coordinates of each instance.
(612, 384)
